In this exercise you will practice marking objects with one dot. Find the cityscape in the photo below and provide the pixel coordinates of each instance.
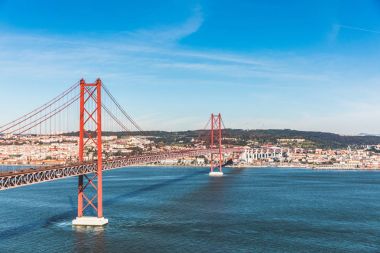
(58, 149)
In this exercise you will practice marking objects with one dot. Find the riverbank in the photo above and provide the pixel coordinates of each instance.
(266, 166)
(296, 166)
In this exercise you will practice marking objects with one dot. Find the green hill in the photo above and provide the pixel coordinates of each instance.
(259, 137)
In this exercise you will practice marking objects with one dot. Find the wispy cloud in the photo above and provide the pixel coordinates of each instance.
(334, 33)
(359, 29)
(142, 53)
(166, 34)
(337, 28)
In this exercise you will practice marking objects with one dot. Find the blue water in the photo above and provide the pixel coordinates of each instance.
(184, 210)
(14, 167)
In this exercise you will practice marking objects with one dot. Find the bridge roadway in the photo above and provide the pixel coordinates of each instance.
(13, 179)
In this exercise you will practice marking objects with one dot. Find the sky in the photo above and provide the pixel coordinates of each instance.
(304, 65)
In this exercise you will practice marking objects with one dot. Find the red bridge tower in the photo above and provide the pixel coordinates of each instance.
(216, 143)
(90, 136)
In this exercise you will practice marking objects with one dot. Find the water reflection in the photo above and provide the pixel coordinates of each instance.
(89, 238)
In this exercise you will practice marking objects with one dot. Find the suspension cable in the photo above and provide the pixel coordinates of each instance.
(31, 114)
(45, 117)
(122, 109)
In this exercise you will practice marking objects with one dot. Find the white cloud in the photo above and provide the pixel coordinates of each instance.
(169, 35)
(338, 28)
(359, 29)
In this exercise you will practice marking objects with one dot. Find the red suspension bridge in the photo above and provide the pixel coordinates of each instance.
(97, 115)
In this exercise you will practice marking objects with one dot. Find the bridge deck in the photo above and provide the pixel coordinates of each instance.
(20, 178)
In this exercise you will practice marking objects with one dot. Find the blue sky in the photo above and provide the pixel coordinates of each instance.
(306, 65)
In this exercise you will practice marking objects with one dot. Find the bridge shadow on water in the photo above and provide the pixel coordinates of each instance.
(68, 215)
(153, 187)
(26, 228)
(214, 188)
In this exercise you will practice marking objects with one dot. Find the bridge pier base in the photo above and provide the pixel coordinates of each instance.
(90, 221)
(215, 174)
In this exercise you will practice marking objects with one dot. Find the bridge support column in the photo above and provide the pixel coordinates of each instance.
(216, 142)
(90, 117)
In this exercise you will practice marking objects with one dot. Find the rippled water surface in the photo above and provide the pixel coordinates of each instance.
(184, 210)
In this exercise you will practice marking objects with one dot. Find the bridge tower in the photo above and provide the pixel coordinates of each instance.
(216, 143)
(90, 137)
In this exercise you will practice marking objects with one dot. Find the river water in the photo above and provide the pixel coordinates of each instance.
(155, 209)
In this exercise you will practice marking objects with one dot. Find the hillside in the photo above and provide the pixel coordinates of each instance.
(258, 137)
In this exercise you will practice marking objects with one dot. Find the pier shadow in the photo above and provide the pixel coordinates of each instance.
(153, 187)
(68, 215)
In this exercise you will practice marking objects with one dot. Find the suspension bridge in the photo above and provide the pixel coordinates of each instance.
(97, 115)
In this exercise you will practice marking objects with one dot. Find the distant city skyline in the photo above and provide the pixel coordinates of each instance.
(263, 64)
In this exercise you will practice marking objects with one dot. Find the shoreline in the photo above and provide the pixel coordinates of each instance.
(235, 167)
(263, 167)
